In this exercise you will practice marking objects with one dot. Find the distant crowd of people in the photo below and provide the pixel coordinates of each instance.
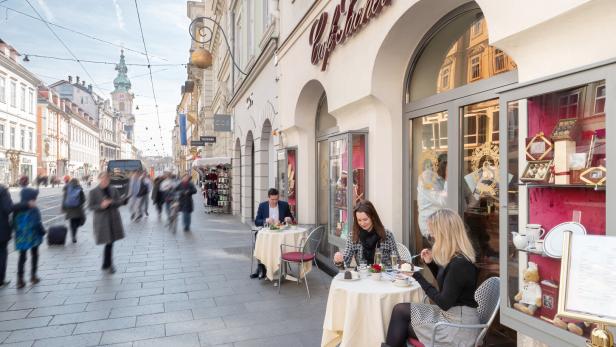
(23, 220)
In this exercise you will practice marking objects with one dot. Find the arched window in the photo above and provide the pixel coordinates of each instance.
(325, 121)
(456, 53)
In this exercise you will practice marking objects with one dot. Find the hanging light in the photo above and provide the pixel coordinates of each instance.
(26, 59)
(201, 58)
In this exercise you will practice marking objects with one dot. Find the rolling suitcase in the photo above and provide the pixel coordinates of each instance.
(56, 235)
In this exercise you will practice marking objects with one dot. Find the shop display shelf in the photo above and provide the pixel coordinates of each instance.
(561, 186)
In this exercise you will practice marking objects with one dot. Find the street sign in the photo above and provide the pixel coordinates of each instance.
(197, 143)
(222, 122)
(208, 139)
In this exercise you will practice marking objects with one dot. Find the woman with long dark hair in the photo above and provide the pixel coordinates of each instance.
(367, 235)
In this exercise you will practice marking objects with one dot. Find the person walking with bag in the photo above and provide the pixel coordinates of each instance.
(73, 201)
(6, 208)
(29, 232)
(104, 201)
(186, 189)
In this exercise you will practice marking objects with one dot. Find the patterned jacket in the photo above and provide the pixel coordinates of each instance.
(388, 246)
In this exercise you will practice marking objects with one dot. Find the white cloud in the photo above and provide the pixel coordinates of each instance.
(119, 16)
(46, 10)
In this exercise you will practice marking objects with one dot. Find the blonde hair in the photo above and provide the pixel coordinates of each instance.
(450, 237)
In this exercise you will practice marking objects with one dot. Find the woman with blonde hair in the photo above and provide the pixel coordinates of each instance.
(452, 262)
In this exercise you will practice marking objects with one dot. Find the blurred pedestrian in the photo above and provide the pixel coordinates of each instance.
(73, 201)
(104, 201)
(6, 208)
(186, 189)
(29, 232)
(168, 186)
(158, 195)
(145, 203)
(135, 191)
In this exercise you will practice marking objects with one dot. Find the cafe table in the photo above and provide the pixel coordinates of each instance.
(267, 247)
(358, 312)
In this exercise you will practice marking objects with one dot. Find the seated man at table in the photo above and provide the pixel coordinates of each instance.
(271, 212)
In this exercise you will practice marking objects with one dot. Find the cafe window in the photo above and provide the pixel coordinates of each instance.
(453, 57)
(556, 148)
(286, 182)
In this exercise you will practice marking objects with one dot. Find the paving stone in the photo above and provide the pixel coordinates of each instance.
(189, 304)
(154, 299)
(133, 334)
(105, 325)
(166, 317)
(40, 333)
(139, 293)
(19, 344)
(195, 326)
(83, 340)
(10, 315)
(187, 340)
(109, 304)
(79, 317)
(90, 298)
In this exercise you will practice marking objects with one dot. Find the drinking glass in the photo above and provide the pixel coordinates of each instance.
(377, 257)
(394, 261)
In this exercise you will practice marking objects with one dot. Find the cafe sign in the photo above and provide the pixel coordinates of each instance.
(346, 21)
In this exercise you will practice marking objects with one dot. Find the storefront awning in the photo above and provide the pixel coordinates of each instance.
(204, 162)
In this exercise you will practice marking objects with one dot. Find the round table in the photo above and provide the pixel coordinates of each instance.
(358, 312)
(267, 247)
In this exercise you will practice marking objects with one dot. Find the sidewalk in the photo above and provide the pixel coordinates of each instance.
(184, 289)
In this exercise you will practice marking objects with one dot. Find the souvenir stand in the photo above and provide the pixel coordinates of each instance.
(215, 182)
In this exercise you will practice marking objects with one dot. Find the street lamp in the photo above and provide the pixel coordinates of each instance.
(201, 57)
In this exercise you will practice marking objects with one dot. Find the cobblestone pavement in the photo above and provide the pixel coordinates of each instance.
(184, 289)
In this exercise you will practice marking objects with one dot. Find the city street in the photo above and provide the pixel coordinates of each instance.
(184, 289)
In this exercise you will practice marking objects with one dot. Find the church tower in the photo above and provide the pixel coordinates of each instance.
(122, 98)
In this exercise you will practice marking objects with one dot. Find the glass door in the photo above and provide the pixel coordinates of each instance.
(338, 183)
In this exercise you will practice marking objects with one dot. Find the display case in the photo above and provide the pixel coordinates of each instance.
(287, 177)
(347, 153)
(545, 198)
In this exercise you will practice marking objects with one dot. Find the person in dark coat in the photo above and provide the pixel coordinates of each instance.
(158, 196)
(6, 208)
(104, 201)
(186, 189)
(29, 232)
(74, 209)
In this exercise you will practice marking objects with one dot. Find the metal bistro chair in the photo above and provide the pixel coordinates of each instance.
(405, 254)
(254, 230)
(304, 253)
(488, 298)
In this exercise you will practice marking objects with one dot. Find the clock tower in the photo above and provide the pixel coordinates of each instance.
(122, 98)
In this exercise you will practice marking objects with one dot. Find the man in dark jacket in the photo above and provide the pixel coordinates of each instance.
(273, 211)
(186, 189)
(6, 208)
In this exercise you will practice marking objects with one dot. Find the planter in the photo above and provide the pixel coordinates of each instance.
(376, 276)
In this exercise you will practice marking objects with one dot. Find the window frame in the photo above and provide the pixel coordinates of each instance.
(3, 89)
(472, 66)
(596, 98)
(13, 91)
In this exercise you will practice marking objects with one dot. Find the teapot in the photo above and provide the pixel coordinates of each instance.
(520, 241)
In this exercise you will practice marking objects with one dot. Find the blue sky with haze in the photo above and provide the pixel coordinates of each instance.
(165, 28)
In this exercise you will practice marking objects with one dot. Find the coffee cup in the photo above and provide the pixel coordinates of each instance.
(534, 232)
(539, 245)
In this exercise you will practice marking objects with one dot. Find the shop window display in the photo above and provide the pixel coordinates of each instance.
(563, 191)
(287, 177)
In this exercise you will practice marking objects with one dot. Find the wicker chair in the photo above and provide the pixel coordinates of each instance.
(304, 253)
(488, 298)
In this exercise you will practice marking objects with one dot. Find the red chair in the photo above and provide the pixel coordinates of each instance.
(304, 253)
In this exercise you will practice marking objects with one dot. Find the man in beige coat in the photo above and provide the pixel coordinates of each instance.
(104, 201)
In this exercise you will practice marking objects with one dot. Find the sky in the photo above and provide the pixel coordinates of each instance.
(165, 28)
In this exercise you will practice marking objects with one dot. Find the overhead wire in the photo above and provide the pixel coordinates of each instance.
(145, 48)
(29, 55)
(77, 32)
(62, 42)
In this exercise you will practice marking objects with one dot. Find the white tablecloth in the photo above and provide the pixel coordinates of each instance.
(358, 312)
(267, 248)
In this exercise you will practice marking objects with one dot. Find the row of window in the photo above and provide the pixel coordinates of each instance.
(84, 157)
(250, 20)
(24, 92)
(26, 141)
(82, 137)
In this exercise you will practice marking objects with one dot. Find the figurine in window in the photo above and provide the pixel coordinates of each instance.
(529, 297)
(431, 190)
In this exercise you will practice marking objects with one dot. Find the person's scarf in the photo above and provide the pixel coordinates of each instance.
(369, 241)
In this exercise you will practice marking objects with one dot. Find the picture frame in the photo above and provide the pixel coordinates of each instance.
(595, 176)
(565, 129)
(539, 147)
(537, 171)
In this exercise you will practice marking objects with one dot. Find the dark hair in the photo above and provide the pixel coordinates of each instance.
(23, 181)
(272, 191)
(366, 207)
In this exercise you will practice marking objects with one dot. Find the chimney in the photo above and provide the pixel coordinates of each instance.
(77, 79)
(90, 88)
(70, 79)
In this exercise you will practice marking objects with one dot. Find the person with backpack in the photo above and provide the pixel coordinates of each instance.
(6, 208)
(73, 201)
(29, 232)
